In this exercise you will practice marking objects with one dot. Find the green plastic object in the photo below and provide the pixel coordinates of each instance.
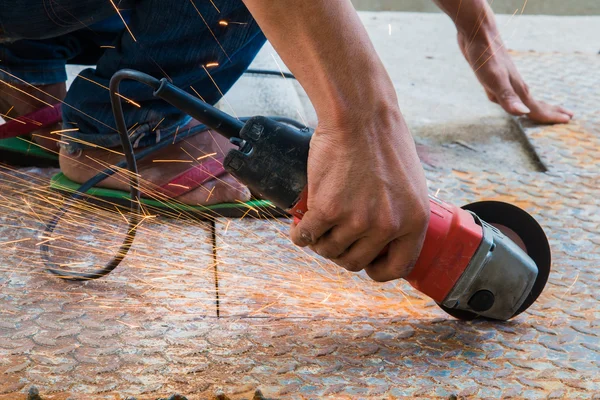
(24, 152)
(262, 208)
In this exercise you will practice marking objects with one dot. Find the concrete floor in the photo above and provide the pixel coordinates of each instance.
(530, 7)
(292, 325)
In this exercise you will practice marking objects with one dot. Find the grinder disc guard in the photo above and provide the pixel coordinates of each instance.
(530, 234)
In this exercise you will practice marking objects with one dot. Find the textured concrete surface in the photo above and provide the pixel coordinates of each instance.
(292, 325)
(531, 7)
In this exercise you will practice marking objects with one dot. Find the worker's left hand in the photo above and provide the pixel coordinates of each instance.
(502, 82)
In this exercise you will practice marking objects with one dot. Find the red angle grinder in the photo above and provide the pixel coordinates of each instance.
(467, 265)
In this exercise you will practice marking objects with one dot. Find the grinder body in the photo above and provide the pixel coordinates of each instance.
(465, 264)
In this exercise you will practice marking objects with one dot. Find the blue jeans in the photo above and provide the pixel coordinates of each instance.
(175, 39)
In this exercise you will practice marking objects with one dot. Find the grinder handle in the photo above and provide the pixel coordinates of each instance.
(451, 240)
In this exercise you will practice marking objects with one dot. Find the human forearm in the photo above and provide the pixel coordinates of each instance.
(325, 45)
(366, 188)
(473, 18)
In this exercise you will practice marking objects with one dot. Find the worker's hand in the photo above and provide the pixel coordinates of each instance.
(366, 187)
(366, 190)
(502, 82)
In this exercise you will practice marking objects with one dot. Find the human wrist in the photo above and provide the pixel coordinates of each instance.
(370, 95)
(352, 119)
(478, 23)
(365, 126)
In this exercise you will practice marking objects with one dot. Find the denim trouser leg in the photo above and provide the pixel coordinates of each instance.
(37, 62)
(39, 37)
(174, 39)
(43, 62)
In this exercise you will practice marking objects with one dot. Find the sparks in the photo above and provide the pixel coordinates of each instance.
(159, 122)
(13, 119)
(227, 227)
(178, 185)
(210, 194)
(15, 241)
(219, 89)
(197, 94)
(49, 95)
(215, 6)
(210, 30)
(176, 132)
(205, 156)
(104, 87)
(123, 19)
(173, 161)
(64, 130)
(126, 324)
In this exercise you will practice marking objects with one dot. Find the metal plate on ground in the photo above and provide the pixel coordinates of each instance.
(121, 333)
(573, 82)
(293, 326)
(262, 274)
(553, 349)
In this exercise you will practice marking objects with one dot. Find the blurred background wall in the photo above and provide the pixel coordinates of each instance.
(547, 7)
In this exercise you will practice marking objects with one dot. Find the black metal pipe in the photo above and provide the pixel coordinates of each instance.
(210, 116)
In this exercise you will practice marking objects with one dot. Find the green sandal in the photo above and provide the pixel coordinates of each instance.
(16, 150)
(111, 197)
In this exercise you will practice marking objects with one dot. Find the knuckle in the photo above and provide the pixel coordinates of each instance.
(359, 223)
(525, 90)
(491, 96)
(383, 233)
(328, 250)
(506, 94)
(328, 213)
(387, 227)
(491, 73)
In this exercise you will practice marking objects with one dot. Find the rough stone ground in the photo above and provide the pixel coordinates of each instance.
(292, 325)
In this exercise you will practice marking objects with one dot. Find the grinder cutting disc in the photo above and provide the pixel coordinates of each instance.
(511, 220)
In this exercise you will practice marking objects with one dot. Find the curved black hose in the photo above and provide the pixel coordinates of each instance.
(131, 163)
(130, 160)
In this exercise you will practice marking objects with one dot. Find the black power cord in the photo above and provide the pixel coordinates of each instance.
(280, 74)
(131, 163)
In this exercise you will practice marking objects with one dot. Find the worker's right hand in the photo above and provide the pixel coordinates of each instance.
(366, 190)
